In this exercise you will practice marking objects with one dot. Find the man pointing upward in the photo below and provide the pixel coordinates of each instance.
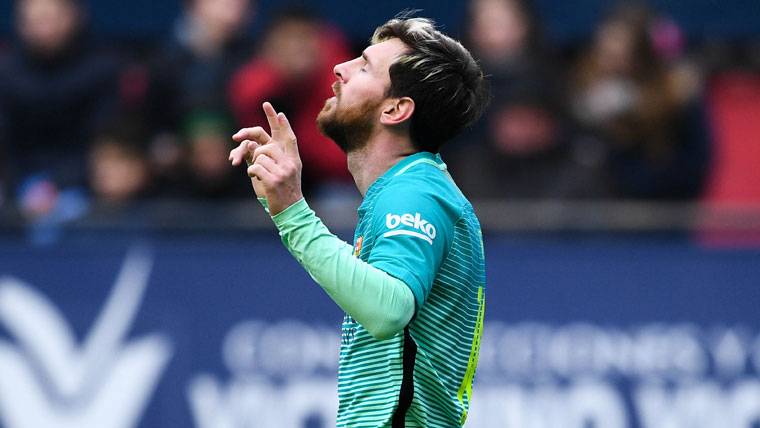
(413, 284)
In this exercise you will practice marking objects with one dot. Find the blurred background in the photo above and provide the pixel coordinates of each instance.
(616, 175)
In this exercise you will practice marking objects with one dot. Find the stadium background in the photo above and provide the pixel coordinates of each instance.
(567, 22)
(604, 312)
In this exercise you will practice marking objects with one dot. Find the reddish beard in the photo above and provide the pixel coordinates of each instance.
(351, 128)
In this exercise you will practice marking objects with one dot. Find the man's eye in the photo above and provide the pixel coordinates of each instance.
(363, 69)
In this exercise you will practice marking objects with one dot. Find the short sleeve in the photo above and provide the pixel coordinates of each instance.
(413, 228)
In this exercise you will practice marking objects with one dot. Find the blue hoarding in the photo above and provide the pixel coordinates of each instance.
(228, 331)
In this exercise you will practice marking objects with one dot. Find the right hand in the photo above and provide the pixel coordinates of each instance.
(274, 164)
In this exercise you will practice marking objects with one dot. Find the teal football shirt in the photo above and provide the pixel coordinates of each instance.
(416, 225)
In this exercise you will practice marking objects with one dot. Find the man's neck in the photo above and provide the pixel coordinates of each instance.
(376, 158)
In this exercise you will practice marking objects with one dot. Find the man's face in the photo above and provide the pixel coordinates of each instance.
(223, 18)
(292, 47)
(362, 84)
(47, 25)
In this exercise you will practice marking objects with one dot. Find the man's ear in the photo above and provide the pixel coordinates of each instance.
(397, 111)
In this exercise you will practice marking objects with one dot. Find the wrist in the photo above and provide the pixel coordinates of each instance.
(278, 206)
(282, 217)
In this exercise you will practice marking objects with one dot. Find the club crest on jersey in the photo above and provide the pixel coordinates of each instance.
(358, 246)
(422, 228)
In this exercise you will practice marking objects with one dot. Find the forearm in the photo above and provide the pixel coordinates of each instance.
(378, 301)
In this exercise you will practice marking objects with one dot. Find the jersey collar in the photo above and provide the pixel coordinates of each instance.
(404, 163)
(408, 161)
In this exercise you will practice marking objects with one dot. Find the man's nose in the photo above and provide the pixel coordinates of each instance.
(340, 71)
(343, 70)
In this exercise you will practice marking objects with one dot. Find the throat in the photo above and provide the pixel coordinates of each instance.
(357, 166)
(369, 163)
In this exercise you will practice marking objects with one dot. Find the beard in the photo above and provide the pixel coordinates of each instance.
(349, 129)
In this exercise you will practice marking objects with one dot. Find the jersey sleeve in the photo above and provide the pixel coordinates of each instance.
(413, 229)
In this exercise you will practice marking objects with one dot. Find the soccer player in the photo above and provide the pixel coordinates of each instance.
(412, 285)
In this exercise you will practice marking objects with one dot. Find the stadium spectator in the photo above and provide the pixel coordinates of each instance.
(119, 170)
(206, 133)
(626, 96)
(522, 147)
(57, 88)
(294, 70)
(190, 75)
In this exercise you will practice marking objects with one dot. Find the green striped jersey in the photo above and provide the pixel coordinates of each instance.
(416, 225)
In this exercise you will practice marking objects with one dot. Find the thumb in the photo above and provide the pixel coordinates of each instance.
(251, 147)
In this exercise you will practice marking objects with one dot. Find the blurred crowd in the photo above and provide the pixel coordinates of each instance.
(82, 122)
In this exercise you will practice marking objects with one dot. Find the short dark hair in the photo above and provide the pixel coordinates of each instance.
(447, 85)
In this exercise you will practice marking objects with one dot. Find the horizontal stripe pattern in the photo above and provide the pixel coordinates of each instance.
(444, 329)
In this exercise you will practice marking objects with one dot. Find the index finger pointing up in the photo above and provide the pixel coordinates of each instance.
(271, 118)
